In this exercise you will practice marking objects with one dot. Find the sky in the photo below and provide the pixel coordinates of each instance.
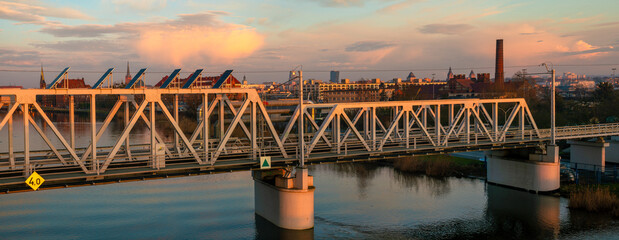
(262, 40)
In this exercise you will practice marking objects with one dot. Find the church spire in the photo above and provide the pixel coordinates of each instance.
(42, 84)
(450, 74)
(128, 76)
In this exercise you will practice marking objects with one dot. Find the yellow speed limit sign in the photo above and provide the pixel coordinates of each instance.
(35, 181)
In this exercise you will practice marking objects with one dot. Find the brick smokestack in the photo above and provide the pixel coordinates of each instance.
(499, 77)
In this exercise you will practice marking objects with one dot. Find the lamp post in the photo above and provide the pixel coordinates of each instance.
(300, 124)
(551, 71)
(294, 74)
(552, 103)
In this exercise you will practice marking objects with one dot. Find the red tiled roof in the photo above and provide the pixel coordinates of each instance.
(206, 81)
(73, 83)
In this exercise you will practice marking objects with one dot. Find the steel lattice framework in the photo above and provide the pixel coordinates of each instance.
(235, 128)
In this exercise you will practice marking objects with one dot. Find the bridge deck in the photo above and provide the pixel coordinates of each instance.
(60, 175)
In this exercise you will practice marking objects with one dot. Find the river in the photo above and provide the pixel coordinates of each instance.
(352, 201)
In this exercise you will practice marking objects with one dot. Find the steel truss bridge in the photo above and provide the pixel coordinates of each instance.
(234, 129)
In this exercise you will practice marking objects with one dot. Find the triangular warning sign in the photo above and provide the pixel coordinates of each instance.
(265, 162)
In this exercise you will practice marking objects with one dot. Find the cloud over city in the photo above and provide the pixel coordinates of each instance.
(319, 34)
(450, 29)
(190, 39)
(33, 13)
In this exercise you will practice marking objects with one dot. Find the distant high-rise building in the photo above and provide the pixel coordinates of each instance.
(499, 77)
(42, 84)
(450, 74)
(335, 76)
(128, 76)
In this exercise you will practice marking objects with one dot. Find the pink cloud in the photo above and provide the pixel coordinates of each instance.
(197, 45)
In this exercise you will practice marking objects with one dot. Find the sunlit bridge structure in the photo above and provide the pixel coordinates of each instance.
(235, 130)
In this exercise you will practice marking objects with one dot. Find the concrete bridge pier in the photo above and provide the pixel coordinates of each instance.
(612, 152)
(528, 169)
(284, 199)
(591, 155)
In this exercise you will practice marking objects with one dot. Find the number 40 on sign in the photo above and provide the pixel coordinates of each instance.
(35, 181)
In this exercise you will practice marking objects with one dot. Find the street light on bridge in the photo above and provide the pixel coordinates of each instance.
(293, 76)
(552, 102)
(550, 71)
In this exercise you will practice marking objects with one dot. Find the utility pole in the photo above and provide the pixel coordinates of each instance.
(300, 124)
(552, 111)
(552, 104)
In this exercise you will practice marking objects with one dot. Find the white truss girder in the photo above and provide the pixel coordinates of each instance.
(376, 126)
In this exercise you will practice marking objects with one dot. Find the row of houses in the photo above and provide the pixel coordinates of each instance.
(456, 86)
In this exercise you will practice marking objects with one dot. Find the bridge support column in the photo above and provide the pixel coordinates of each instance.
(538, 172)
(612, 152)
(284, 200)
(588, 155)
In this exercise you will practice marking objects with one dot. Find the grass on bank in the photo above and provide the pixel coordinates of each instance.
(440, 165)
(594, 198)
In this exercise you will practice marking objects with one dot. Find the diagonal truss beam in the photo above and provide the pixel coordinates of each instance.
(267, 119)
(62, 140)
(354, 129)
(198, 129)
(423, 128)
(321, 130)
(47, 141)
(8, 115)
(354, 122)
(508, 123)
(530, 116)
(147, 122)
(290, 124)
(392, 126)
(235, 121)
(106, 122)
(483, 126)
(125, 133)
(311, 120)
(382, 127)
(233, 110)
(179, 131)
(453, 126)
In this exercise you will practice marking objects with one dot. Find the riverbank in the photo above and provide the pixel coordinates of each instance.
(602, 199)
(441, 166)
(593, 198)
